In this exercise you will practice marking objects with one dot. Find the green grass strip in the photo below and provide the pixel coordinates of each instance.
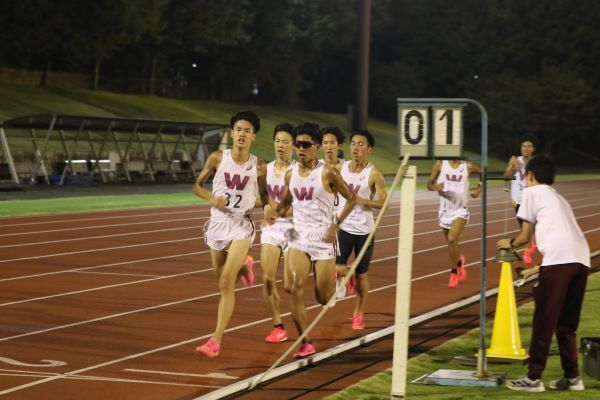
(379, 385)
(95, 203)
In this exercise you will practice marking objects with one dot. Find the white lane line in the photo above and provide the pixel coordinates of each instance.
(212, 375)
(117, 273)
(142, 354)
(174, 241)
(492, 194)
(154, 277)
(443, 271)
(68, 253)
(126, 215)
(52, 296)
(171, 276)
(429, 211)
(101, 379)
(120, 263)
(138, 310)
(149, 222)
(103, 226)
(102, 237)
(148, 352)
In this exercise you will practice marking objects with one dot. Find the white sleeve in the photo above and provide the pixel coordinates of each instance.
(527, 207)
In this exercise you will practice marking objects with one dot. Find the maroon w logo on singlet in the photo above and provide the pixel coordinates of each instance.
(454, 178)
(355, 189)
(303, 194)
(521, 174)
(235, 182)
(275, 192)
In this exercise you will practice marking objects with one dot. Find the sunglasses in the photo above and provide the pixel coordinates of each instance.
(304, 144)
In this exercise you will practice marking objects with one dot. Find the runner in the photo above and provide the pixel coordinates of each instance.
(238, 177)
(367, 182)
(274, 238)
(516, 166)
(310, 187)
(450, 178)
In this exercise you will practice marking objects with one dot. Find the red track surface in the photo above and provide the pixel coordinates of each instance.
(112, 304)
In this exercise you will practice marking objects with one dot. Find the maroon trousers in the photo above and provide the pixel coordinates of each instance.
(558, 301)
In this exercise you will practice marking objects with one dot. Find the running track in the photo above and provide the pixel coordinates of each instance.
(112, 304)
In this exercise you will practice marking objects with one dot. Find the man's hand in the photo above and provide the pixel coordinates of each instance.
(218, 201)
(475, 192)
(503, 244)
(270, 215)
(331, 233)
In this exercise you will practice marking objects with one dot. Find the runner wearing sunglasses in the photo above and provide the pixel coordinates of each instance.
(309, 188)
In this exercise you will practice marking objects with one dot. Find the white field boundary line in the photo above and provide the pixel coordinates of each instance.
(182, 228)
(197, 227)
(82, 228)
(103, 218)
(130, 212)
(247, 383)
(474, 206)
(298, 364)
(200, 237)
(210, 269)
(199, 207)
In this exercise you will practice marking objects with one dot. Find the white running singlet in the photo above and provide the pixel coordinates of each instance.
(360, 220)
(312, 203)
(238, 183)
(455, 194)
(276, 185)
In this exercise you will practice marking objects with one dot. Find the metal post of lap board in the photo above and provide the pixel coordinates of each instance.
(403, 282)
(415, 117)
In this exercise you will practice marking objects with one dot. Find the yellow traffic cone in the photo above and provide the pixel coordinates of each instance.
(506, 338)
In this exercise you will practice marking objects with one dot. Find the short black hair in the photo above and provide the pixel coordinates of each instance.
(337, 132)
(365, 133)
(247, 115)
(285, 127)
(311, 129)
(529, 137)
(542, 168)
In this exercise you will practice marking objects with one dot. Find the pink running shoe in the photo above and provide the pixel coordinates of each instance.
(453, 283)
(351, 285)
(209, 349)
(305, 350)
(248, 279)
(277, 335)
(462, 271)
(358, 321)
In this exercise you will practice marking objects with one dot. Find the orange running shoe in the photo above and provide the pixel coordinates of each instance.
(305, 350)
(209, 349)
(248, 279)
(453, 283)
(277, 335)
